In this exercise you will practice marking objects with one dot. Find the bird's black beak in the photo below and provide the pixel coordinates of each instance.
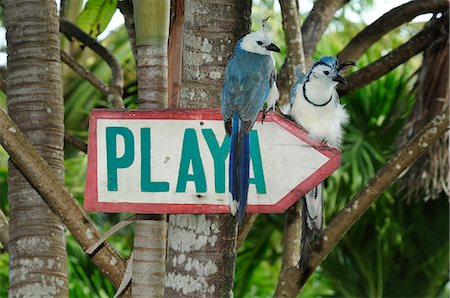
(273, 48)
(339, 79)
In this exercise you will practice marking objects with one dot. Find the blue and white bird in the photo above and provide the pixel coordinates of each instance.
(249, 82)
(315, 106)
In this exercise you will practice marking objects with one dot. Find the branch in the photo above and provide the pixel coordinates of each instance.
(291, 252)
(295, 62)
(295, 57)
(245, 228)
(62, 8)
(72, 31)
(59, 199)
(389, 21)
(316, 23)
(4, 230)
(85, 73)
(356, 207)
(283, 85)
(437, 30)
(75, 142)
(3, 86)
(126, 8)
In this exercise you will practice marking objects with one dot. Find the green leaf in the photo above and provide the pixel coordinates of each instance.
(96, 15)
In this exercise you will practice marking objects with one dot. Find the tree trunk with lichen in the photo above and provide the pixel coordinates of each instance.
(38, 258)
(211, 31)
(202, 247)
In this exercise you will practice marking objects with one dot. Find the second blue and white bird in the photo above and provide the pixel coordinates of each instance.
(316, 107)
(249, 83)
(315, 101)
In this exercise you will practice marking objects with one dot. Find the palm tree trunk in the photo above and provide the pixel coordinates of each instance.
(152, 29)
(37, 264)
(202, 247)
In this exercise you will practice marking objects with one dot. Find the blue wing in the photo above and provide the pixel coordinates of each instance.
(248, 79)
(299, 79)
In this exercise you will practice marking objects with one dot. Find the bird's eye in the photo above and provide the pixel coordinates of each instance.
(259, 42)
(326, 72)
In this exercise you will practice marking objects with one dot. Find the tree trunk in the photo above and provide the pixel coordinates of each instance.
(212, 29)
(37, 264)
(149, 252)
(202, 247)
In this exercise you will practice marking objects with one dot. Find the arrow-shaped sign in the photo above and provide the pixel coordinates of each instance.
(176, 161)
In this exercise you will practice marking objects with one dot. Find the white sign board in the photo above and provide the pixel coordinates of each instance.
(177, 162)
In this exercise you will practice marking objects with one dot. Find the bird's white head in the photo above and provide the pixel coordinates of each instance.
(327, 71)
(259, 42)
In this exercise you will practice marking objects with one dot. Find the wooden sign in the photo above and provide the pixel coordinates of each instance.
(176, 161)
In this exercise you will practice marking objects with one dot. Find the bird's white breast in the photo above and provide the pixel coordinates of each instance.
(322, 123)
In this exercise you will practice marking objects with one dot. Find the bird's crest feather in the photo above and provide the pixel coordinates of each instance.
(265, 27)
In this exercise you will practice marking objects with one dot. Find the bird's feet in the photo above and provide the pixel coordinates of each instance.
(324, 147)
(265, 111)
(288, 117)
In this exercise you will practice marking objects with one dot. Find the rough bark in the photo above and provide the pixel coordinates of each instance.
(292, 228)
(4, 230)
(291, 249)
(295, 57)
(58, 198)
(202, 247)
(389, 21)
(359, 204)
(211, 31)
(201, 255)
(38, 257)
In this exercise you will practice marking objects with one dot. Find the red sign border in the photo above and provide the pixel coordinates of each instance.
(91, 202)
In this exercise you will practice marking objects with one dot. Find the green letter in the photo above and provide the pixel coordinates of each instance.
(113, 162)
(255, 155)
(147, 184)
(191, 153)
(219, 154)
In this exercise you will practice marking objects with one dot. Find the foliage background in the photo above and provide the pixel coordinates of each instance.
(396, 249)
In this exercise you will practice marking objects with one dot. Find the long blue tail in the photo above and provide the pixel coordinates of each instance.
(239, 167)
